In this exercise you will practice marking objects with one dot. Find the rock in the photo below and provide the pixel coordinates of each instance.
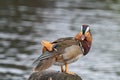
(53, 75)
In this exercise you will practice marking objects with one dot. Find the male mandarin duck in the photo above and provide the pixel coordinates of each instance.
(64, 50)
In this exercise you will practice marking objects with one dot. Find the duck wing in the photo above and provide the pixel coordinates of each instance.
(44, 61)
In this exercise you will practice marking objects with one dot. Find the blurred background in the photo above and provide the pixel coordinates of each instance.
(24, 23)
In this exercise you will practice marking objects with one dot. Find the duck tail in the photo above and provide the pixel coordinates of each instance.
(44, 64)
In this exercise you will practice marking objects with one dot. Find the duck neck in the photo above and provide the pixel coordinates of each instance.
(86, 46)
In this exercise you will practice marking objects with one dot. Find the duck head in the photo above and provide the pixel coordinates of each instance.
(84, 34)
(85, 37)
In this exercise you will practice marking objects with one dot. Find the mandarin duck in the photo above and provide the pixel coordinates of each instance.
(64, 50)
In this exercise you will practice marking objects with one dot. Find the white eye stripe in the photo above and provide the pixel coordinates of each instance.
(88, 28)
(81, 28)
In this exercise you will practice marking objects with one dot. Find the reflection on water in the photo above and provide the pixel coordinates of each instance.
(24, 24)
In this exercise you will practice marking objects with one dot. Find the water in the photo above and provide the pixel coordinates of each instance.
(24, 24)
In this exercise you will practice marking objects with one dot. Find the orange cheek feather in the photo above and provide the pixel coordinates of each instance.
(88, 37)
(78, 36)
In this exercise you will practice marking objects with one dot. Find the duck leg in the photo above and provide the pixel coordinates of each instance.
(62, 69)
(66, 70)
